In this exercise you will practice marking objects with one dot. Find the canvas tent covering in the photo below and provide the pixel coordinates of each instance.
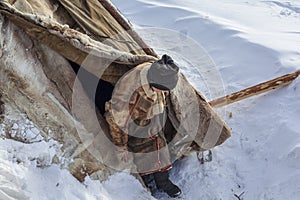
(43, 42)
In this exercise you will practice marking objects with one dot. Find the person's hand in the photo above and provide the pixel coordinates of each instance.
(123, 154)
(166, 59)
(125, 160)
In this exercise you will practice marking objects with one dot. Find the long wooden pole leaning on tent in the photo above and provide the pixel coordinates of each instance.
(255, 90)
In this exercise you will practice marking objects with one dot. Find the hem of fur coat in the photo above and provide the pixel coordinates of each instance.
(157, 170)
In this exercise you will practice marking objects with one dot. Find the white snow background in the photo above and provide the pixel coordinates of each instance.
(250, 42)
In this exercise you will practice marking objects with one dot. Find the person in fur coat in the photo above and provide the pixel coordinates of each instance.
(136, 115)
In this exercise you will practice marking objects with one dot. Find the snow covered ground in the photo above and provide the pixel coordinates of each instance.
(246, 42)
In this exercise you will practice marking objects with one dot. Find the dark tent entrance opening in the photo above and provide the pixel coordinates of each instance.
(98, 90)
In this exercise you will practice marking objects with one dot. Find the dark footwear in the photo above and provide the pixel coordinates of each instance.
(163, 182)
(174, 192)
(149, 182)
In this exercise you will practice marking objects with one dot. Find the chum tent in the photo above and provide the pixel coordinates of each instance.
(50, 48)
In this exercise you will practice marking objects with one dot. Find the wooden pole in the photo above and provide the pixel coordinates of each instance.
(125, 24)
(255, 90)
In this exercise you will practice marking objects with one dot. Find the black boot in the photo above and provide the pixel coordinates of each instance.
(149, 182)
(163, 182)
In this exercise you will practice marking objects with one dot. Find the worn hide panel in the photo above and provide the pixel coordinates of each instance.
(100, 25)
(194, 120)
(74, 45)
(40, 82)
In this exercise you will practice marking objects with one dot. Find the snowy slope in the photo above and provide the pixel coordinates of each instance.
(29, 182)
(28, 170)
(222, 47)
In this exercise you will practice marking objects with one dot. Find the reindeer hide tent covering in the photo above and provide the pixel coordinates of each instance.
(41, 42)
